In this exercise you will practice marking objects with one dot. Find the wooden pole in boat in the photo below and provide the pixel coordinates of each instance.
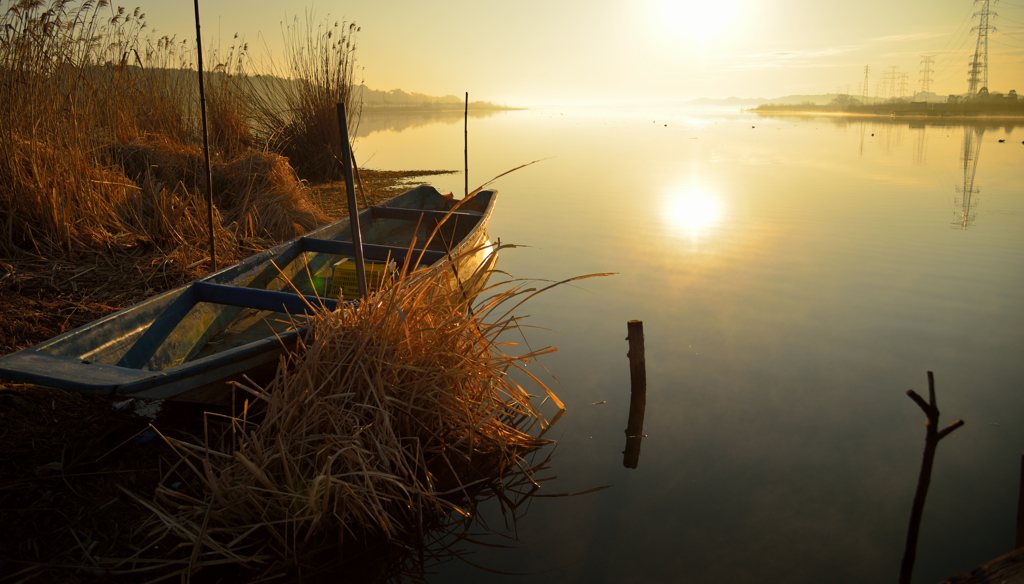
(353, 209)
(465, 145)
(206, 143)
(637, 393)
(931, 442)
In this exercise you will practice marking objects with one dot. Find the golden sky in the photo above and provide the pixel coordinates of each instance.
(534, 52)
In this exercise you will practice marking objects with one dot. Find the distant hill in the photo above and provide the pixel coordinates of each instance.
(727, 102)
(397, 99)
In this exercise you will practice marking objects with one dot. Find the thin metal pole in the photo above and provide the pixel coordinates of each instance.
(353, 209)
(465, 143)
(206, 143)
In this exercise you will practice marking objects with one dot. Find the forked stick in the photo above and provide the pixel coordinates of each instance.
(931, 442)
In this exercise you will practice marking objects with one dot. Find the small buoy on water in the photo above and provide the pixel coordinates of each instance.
(872, 134)
(666, 125)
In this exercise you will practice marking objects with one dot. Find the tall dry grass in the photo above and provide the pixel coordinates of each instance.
(391, 419)
(100, 131)
(296, 101)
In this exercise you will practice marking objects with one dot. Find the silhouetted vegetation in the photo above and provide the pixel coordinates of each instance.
(101, 134)
(982, 104)
(396, 99)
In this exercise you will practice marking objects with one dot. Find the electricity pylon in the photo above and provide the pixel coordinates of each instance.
(865, 95)
(926, 72)
(979, 66)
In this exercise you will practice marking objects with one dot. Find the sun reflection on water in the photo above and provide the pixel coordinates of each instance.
(692, 212)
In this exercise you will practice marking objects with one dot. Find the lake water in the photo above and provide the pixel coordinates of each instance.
(795, 277)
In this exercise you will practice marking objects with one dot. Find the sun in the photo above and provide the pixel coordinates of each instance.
(696, 20)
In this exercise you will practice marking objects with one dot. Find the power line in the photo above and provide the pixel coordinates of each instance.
(956, 34)
(998, 42)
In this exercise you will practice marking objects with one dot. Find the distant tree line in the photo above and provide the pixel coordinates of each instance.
(982, 103)
(397, 99)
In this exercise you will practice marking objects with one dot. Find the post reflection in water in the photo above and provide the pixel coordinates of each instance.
(964, 214)
(634, 430)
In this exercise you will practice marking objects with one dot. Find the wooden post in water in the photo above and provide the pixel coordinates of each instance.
(465, 145)
(206, 143)
(1019, 540)
(353, 208)
(931, 442)
(637, 393)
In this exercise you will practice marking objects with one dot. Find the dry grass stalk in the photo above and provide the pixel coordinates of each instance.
(387, 419)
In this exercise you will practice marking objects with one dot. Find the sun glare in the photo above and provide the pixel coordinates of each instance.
(697, 20)
(693, 212)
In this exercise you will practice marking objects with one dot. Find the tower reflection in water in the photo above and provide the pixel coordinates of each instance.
(964, 213)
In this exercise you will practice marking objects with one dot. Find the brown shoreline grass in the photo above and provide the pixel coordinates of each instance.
(390, 423)
(407, 411)
(383, 421)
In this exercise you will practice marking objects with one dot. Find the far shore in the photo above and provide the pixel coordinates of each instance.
(898, 115)
(376, 109)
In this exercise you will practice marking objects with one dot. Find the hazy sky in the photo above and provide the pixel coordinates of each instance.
(534, 52)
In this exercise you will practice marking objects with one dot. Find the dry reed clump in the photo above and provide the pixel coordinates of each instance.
(39, 211)
(388, 418)
(257, 194)
(294, 106)
(79, 82)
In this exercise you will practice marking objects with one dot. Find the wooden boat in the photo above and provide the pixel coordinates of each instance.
(187, 342)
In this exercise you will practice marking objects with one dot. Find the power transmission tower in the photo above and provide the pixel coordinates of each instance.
(903, 83)
(865, 95)
(979, 66)
(890, 77)
(926, 72)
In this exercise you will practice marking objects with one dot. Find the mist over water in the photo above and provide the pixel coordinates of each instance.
(795, 276)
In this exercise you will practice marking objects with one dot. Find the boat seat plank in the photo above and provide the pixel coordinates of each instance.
(371, 252)
(143, 349)
(418, 214)
(258, 299)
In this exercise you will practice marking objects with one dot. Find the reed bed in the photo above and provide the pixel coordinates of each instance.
(100, 131)
(390, 417)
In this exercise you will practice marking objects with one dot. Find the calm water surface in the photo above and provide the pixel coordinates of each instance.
(795, 276)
